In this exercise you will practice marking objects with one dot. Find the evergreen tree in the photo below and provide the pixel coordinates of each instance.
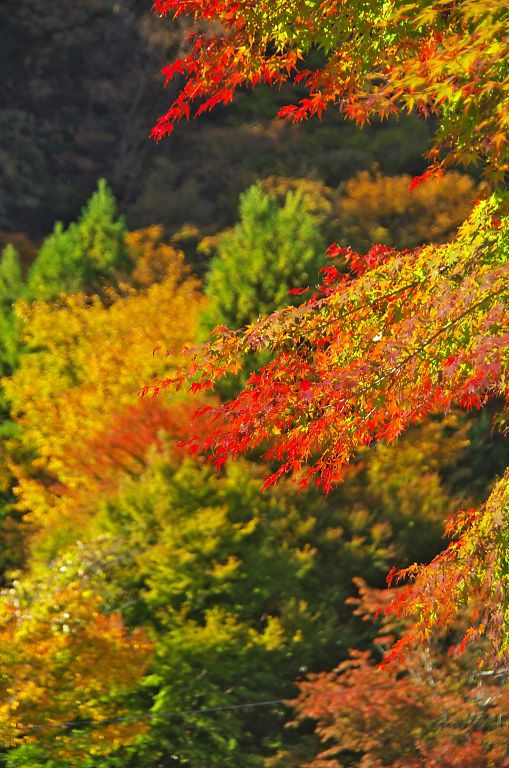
(274, 247)
(277, 245)
(86, 254)
(12, 288)
(11, 277)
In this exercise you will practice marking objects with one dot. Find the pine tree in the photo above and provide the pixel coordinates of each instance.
(276, 246)
(12, 288)
(87, 255)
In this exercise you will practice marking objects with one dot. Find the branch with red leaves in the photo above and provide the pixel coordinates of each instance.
(445, 59)
(389, 338)
(381, 345)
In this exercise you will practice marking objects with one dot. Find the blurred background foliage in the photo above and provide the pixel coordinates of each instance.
(139, 586)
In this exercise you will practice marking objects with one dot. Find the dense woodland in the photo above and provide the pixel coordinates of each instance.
(157, 609)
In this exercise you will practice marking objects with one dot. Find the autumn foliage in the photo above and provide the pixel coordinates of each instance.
(378, 348)
(436, 58)
(379, 209)
(393, 335)
(435, 710)
(390, 338)
(156, 609)
(61, 658)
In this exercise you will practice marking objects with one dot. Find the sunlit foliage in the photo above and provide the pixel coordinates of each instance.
(64, 660)
(85, 360)
(435, 710)
(382, 209)
(376, 60)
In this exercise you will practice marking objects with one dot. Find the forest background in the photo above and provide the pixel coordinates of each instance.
(155, 612)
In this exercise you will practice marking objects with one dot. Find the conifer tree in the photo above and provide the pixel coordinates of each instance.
(84, 255)
(275, 247)
(12, 288)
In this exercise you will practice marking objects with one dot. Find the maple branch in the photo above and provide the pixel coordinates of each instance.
(438, 333)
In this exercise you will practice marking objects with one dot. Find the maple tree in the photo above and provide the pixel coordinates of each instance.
(434, 710)
(241, 592)
(380, 346)
(448, 60)
(391, 336)
(182, 548)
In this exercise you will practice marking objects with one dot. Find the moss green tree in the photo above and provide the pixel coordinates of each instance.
(243, 592)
